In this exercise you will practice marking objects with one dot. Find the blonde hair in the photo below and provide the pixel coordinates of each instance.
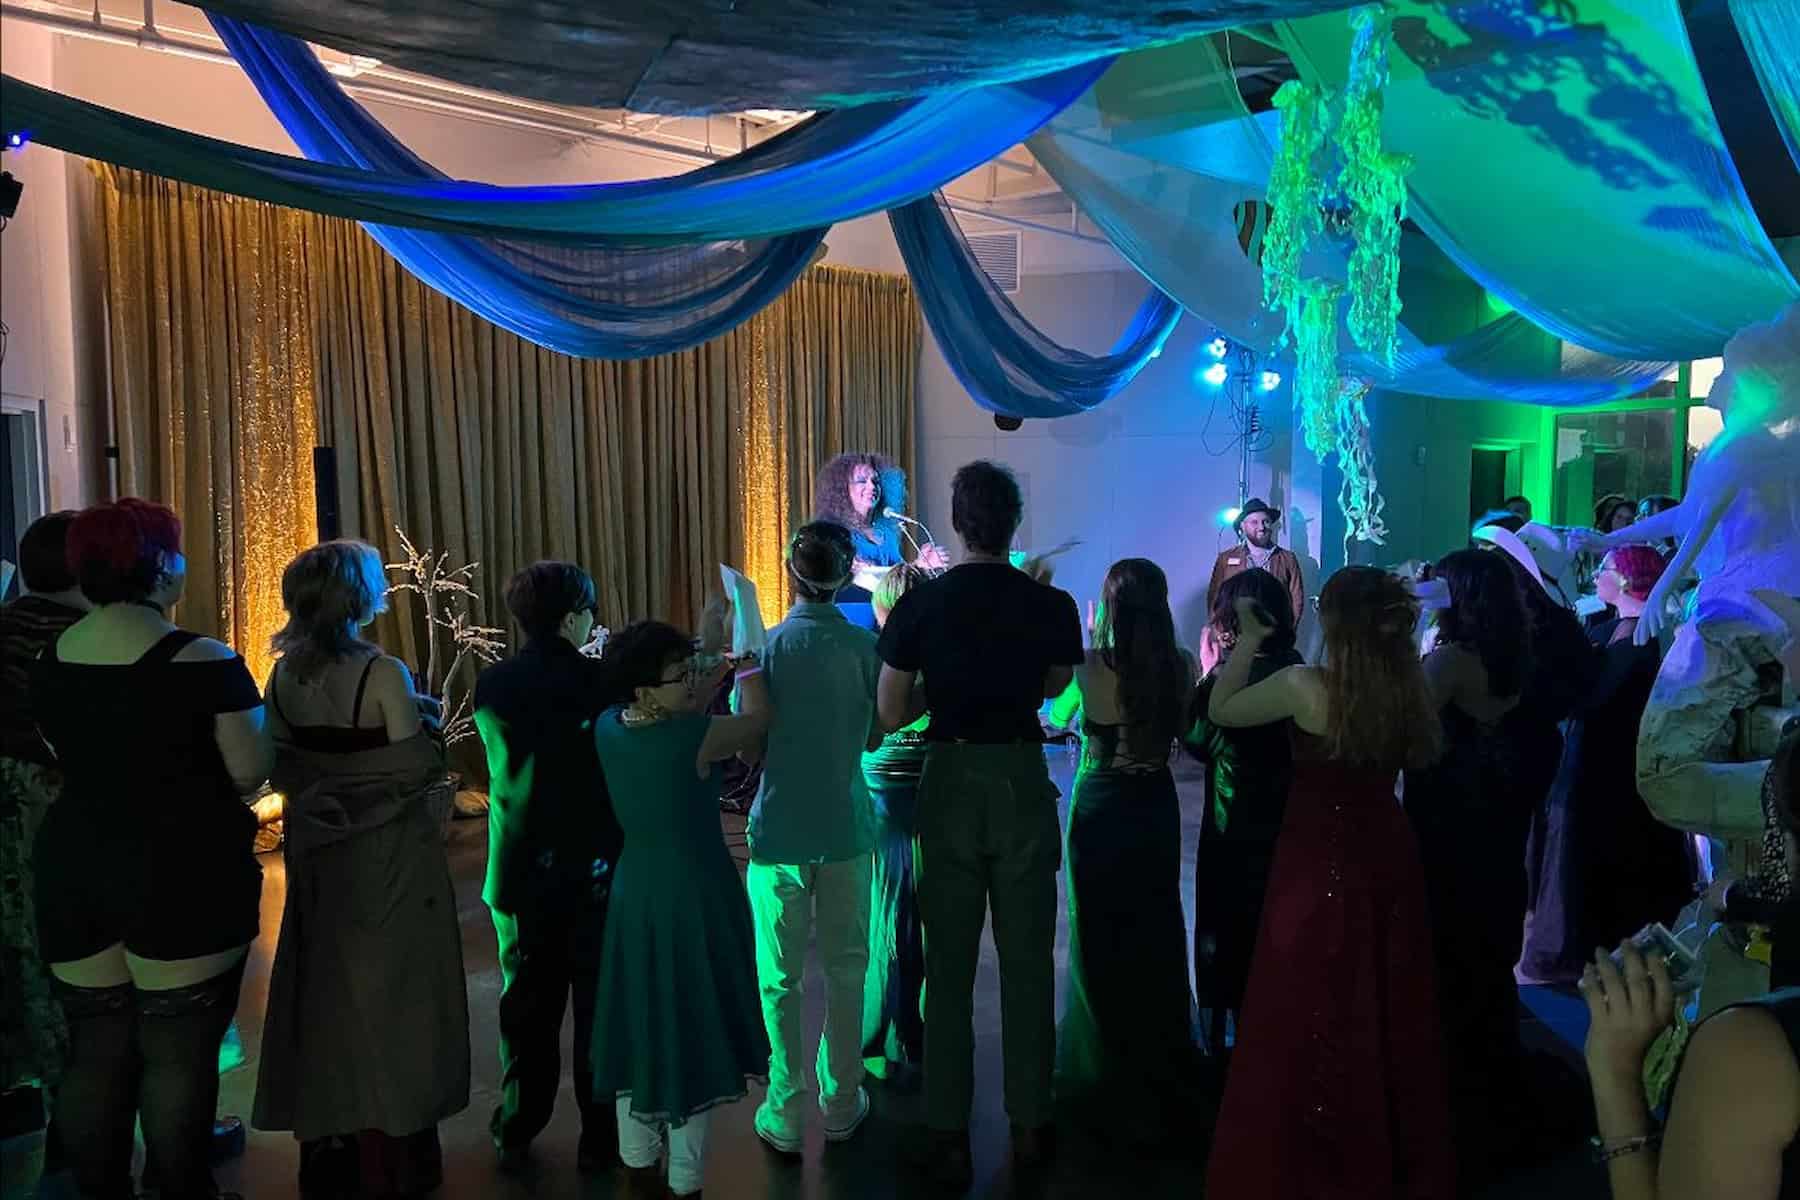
(329, 592)
(894, 583)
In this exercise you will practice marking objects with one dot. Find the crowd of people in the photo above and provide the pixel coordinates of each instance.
(1386, 835)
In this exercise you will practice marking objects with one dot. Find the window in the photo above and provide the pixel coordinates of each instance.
(23, 487)
(1629, 454)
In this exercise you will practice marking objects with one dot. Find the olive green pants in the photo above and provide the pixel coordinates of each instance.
(988, 839)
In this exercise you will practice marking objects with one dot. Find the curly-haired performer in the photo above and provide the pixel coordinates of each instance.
(857, 491)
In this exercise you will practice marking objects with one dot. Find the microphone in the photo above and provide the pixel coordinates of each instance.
(902, 517)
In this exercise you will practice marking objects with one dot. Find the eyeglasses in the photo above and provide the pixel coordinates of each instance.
(681, 678)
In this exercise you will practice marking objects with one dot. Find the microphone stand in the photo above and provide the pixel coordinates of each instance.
(906, 523)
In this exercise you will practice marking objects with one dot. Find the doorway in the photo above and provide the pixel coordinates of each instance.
(1493, 476)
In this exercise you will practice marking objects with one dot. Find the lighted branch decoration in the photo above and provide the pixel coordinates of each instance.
(1330, 168)
(448, 600)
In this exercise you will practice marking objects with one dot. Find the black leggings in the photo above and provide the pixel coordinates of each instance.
(143, 1056)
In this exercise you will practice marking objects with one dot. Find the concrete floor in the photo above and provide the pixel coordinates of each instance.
(738, 1168)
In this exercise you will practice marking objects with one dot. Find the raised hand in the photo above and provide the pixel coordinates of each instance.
(1590, 541)
(1628, 1005)
(1254, 623)
(933, 557)
(1655, 617)
(1212, 650)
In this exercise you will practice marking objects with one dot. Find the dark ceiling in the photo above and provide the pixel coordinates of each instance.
(697, 56)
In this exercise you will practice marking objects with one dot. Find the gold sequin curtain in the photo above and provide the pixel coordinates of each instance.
(477, 442)
(211, 367)
(830, 358)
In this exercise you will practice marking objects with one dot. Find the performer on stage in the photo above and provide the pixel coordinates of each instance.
(858, 491)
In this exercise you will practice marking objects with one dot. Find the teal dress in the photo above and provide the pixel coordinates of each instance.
(677, 1023)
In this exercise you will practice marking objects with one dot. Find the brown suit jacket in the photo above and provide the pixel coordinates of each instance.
(1284, 565)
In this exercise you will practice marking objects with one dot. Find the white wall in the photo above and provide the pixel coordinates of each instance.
(1143, 475)
(37, 289)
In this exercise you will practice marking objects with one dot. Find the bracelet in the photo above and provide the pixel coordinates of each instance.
(1604, 1152)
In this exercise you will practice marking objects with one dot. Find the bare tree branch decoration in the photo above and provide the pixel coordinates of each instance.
(448, 601)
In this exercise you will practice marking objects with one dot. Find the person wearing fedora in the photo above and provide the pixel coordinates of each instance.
(1256, 525)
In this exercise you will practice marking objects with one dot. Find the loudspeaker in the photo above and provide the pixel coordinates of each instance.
(325, 498)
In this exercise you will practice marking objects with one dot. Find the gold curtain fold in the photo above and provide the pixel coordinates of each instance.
(211, 373)
(828, 356)
(474, 441)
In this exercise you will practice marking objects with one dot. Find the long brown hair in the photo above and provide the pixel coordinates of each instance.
(1136, 637)
(1381, 714)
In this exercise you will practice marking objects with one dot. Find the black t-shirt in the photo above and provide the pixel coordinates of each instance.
(983, 635)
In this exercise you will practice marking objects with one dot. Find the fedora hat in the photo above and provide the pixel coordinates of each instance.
(1251, 507)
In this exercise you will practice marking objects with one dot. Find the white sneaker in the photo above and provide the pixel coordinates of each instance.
(782, 1143)
(846, 1131)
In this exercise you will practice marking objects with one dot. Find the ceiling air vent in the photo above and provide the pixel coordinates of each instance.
(998, 254)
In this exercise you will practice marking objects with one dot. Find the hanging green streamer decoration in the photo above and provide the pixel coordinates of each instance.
(1296, 197)
(1329, 159)
(1374, 182)
(1316, 365)
(1358, 497)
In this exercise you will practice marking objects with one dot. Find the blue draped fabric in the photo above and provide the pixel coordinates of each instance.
(1006, 364)
(1770, 31)
(831, 168)
(615, 271)
(591, 302)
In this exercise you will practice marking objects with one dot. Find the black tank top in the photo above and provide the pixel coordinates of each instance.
(334, 739)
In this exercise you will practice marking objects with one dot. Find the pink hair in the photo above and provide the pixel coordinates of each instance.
(1641, 567)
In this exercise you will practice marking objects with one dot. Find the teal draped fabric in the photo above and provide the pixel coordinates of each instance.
(1770, 31)
(1163, 157)
(1556, 152)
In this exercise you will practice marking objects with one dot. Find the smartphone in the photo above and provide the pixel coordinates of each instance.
(1655, 939)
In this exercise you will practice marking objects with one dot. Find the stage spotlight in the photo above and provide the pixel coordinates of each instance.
(1229, 516)
(1216, 374)
(15, 141)
(1218, 347)
(1271, 380)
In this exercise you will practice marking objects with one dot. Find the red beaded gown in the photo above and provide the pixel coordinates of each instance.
(1337, 1086)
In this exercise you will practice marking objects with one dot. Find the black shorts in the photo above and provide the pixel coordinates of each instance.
(165, 892)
